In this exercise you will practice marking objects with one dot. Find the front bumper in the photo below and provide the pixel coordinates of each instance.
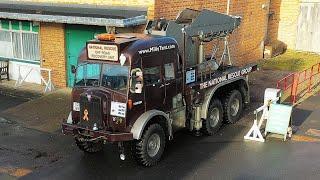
(70, 129)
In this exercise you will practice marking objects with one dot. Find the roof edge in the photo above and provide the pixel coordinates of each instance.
(134, 21)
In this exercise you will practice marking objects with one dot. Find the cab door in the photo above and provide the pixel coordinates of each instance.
(169, 85)
(153, 83)
(160, 81)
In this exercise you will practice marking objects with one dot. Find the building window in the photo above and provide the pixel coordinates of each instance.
(19, 40)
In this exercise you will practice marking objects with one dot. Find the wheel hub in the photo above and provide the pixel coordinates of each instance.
(153, 145)
(214, 117)
(234, 108)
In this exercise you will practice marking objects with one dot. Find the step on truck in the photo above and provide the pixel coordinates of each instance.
(141, 88)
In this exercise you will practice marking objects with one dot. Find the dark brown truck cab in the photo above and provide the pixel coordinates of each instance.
(143, 87)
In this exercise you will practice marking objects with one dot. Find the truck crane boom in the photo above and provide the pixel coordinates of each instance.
(192, 29)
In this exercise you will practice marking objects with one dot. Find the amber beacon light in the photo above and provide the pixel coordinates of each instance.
(106, 37)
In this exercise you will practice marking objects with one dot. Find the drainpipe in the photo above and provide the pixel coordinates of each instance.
(228, 6)
(267, 8)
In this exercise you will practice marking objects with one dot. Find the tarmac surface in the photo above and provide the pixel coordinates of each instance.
(7, 102)
(27, 153)
(33, 147)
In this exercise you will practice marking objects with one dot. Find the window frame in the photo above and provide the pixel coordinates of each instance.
(86, 64)
(21, 32)
(127, 76)
(173, 70)
(144, 76)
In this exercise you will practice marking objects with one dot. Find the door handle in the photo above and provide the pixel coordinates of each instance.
(166, 84)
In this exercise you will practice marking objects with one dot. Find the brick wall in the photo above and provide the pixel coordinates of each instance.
(246, 43)
(283, 21)
(52, 45)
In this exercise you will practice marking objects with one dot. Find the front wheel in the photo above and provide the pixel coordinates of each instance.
(89, 146)
(149, 149)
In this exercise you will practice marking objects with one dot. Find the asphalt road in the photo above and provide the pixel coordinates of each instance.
(188, 157)
(223, 156)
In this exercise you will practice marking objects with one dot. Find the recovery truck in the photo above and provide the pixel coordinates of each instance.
(141, 88)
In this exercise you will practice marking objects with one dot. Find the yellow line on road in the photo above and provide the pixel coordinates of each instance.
(16, 172)
(301, 138)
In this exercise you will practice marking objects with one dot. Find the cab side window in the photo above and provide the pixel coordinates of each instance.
(169, 71)
(151, 75)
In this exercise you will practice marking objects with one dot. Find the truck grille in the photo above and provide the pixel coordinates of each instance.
(90, 112)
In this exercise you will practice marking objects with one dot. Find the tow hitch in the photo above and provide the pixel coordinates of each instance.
(121, 151)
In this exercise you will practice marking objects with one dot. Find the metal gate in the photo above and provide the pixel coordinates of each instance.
(76, 38)
(308, 35)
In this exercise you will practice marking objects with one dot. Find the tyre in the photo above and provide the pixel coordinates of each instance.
(89, 147)
(214, 119)
(149, 149)
(233, 107)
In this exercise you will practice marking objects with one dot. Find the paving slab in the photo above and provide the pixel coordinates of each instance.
(45, 113)
(26, 91)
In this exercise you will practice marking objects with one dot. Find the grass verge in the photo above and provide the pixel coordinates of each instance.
(291, 61)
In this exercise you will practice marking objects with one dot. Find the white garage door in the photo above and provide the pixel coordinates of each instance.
(308, 35)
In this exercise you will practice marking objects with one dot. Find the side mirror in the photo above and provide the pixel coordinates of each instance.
(136, 81)
(73, 69)
(138, 88)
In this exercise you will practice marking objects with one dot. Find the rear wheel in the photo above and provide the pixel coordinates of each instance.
(89, 146)
(149, 149)
(214, 118)
(233, 106)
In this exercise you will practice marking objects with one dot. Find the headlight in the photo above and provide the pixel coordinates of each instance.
(76, 106)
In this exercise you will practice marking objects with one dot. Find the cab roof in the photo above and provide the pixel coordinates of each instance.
(133, 44)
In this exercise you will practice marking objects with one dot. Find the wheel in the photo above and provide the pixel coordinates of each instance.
(149, 149)
(214, 119)
(233, 106)
(89, 147)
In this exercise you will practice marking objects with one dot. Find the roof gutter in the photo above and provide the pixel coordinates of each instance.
(132, 21)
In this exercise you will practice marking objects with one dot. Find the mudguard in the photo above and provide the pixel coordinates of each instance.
(138, 127)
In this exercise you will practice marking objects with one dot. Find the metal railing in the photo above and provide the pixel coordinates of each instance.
(41, 71)
(296, 85)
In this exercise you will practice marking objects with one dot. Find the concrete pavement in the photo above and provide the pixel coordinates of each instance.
(44, 113)
(26, 90)
(7, 102)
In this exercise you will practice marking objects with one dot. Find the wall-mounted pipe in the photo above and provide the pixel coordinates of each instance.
(228, 6)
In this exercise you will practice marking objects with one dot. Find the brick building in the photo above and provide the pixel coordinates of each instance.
(295, 23)
(262, 22)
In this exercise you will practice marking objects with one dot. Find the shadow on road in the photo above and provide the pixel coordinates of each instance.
(7, 102)
(183, 156)
(300, 116)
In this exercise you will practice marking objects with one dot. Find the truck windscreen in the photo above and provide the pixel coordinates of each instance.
(114, 77)
(88, 75)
